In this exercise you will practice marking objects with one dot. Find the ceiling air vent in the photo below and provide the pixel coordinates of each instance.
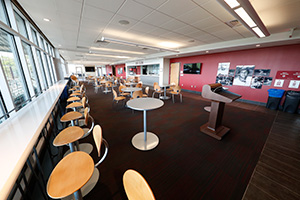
(102, 42)
(233, 23)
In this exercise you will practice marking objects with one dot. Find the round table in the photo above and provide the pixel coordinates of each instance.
(145, 140)
(70, 174)
(131, 89)
(165, 92)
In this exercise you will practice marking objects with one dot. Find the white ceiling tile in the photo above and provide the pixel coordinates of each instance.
(69, 7)
(134, 10)
(156, 18)
(174, 7)
(110, 5)
(142, 27)
(158, 31)
(217, 10)
(173, 24)
(193, 15)
(185, 29)
(152, 4)
(206, 23)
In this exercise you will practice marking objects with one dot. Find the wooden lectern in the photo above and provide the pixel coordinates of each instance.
(218, 97)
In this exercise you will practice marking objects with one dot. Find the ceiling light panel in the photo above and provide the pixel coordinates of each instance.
(244, 15)
(232, 3)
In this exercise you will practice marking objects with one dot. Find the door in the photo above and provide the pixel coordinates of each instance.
(174, 75)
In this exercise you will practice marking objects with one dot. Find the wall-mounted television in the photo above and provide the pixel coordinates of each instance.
(89, 68)
(192, 68)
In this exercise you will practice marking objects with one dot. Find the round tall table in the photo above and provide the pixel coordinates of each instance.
(165, 91)
(145, 140)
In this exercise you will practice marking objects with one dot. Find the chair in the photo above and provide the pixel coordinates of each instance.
(137, 94)
(136, 187)
(176, 91)
(108, 85)
(139, 85)
(99, 140)
(116, 97)
(121, 92)
(172, 85)
(157, 90)
(146, 92)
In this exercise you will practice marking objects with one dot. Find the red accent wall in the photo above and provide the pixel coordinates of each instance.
(124, 72)
(108, 69)
(275, 58)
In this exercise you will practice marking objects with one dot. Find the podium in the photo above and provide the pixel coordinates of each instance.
(218, 97)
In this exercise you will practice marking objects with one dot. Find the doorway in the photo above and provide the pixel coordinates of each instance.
(174, 74)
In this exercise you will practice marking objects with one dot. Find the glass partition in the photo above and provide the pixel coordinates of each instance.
(21, 25)
(3, 13)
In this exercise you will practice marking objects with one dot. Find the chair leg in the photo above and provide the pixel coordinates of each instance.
(181, 98)
(173, 97)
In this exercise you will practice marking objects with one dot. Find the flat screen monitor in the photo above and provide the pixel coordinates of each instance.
(89, 69)
(192, 68)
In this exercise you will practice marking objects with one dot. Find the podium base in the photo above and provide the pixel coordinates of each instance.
(217, 134)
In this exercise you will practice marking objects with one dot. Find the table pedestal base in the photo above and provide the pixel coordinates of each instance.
(164, 97)
(139, 142)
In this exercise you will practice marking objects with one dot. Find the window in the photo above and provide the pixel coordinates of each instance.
(52, 68)
(21, 25)
(34, 36)
(32, 69)
(2, 110)
(40, 61)
(3, 13)
(42, 43)
(150, 69)
(12, 70)
(47, 69)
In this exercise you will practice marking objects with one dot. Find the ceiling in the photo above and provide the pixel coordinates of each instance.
(191, 26)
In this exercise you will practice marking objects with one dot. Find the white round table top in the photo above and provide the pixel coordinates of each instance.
(144, 103)
(131, 89)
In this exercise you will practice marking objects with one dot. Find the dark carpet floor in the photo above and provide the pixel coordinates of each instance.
(186, 164)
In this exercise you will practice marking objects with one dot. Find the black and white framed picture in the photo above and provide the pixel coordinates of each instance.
(268, 81)
(120, 70)
(257, 82)
(243, 75)
(225, 80)
(231, 72)
(262, 72)
(223, 69)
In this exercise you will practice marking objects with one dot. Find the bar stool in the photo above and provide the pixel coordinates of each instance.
(68, 136)
(71, 117)
(69, 175)
(73, 99)
(99, 140)
(74, 106)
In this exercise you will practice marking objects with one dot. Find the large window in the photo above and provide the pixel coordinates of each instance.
(2, 110)
(3, 14)
(21, 25)
(150, 69)
(40, 61)
(42, 43)
(47, 69)
(34, 36)
(12, 70)
(32, 68)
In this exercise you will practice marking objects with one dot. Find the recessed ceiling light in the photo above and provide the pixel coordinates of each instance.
(124, 22)
(206, 51)
(47, 20)
(258, 45)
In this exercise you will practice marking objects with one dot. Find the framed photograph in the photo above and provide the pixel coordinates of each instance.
(225, 80)
(120, 70)
(223, 69)
(278, 83)
(262, 72)
(268, 81)
(231, 72)
(243, 75)
(257, 82)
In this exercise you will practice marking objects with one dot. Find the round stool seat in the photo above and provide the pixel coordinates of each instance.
(71, 99)
(75, 94)
(69, 116)
(74, 105)
(70, 174)
(68, 135)
(207, 108)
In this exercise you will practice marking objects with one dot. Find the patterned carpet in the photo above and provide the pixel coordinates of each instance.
(186, 164)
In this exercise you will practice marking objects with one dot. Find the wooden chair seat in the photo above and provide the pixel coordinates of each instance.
(74, 105)
(70, 174)
(70, 116)
(136, 187)
(68, 135)
(75, 94)
(72, 99)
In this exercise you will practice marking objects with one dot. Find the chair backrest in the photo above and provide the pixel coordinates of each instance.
(83, 102)
(147, 90)
(114, 93)
(98, 139)
(137, 94)
(81, 88)
(86, 116)
(177, 89)
(121, 87)
(157, 88)
(155, 83)
(139, 85)
(136, 187)
(108, 84)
